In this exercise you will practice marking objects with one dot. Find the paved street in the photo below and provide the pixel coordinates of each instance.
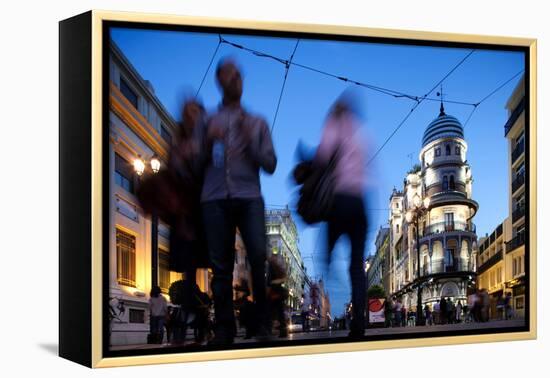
(370, 332)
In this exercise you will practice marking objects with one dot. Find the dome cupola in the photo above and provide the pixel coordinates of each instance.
(444, 126)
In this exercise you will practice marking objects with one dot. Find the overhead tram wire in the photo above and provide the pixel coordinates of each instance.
(417, 105)
(287, 67)
(476, 105)
(386, 91)
(209, 65)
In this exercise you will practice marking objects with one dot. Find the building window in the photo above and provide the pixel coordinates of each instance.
(124, 174)
(519, 303)
(452, 182)
(457, 150)
(129, 93)
(397, 228)
(445, 182)
(447, 149)
(165, 134)
(126, 258)
(164, 270)
(136, 316)
(438, 151)
(520, 139)
(449, 221)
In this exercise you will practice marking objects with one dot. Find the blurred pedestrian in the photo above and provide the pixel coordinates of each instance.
(342, 148)
(277, 292)
(388, 313)
(238, 145)
(245, 309)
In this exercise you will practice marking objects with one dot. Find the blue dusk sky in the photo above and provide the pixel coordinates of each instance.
(175, 63)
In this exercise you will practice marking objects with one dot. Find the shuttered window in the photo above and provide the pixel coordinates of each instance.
(126, 258)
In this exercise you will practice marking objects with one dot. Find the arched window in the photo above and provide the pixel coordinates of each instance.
(452, 183)
(457, 150)
(448, 149)
(445, 182)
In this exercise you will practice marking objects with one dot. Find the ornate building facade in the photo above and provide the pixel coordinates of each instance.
(282, 238)
(446, 234)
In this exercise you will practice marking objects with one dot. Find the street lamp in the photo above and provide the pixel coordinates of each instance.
(412, 216)
(139, 167)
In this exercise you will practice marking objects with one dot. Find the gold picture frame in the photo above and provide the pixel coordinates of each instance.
(91, 26)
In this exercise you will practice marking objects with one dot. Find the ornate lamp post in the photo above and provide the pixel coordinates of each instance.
(139, 167)
(413, 215)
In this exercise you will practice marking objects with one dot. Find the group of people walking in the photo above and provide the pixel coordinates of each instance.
(213, 189)
(449, 311)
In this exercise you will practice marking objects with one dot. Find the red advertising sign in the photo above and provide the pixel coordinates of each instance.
(376, 310)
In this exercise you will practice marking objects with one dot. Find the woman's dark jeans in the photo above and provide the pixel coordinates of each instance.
(348, 217)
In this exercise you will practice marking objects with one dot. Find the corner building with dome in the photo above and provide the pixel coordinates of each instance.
(436, 198)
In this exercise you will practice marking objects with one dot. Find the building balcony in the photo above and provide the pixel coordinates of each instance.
(516, 242)
(518, 182)
(514, 116)
(518, 213)
(440, 267)
(518, 151)
(490, 262)
(452, 197)
(441, 227)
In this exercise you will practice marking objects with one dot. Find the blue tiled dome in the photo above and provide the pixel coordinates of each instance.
(444, 126)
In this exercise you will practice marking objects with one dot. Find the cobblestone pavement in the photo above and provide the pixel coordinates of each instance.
(341, 334)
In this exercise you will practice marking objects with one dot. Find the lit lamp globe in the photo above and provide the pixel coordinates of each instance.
(155, 164)
(409, 216)
(426, 202)
(139, 166)
(416, 200)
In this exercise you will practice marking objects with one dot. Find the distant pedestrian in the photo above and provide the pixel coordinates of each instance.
(428, 315)
(304, 313)
(458, 312)
(485, 302)
(450, 311)
(443, 311)
(277, 292)
(397, 313)
(158, 308)
(500, 308)
(508, 306)
(436, 312)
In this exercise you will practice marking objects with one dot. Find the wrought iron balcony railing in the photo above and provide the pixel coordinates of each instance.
(518, 150)
(516, 242)
(437, 228)
(518, 182)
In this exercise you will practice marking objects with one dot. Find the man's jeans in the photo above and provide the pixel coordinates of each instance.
(221, 220)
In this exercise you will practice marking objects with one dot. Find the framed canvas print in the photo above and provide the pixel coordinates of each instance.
(233, 189)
